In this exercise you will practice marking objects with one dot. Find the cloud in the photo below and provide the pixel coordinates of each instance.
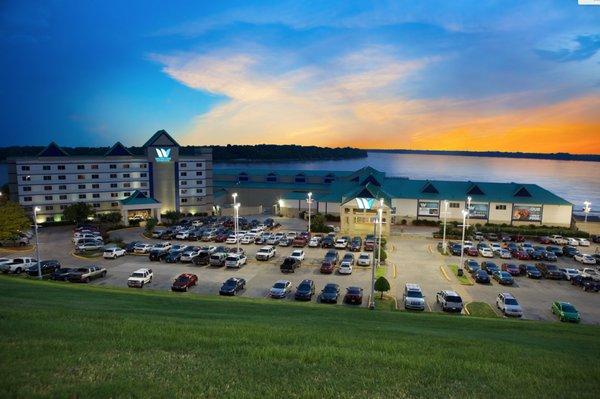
(586, 46)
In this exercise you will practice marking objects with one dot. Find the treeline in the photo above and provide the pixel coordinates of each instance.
(561, 156)
(228, 153)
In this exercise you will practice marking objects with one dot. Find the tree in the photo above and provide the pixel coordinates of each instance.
(78, 212)
(382, 285)
(173, 216)
(111, 217)
(151, 224)
(317, 224)
(12, 220)
(383, 254)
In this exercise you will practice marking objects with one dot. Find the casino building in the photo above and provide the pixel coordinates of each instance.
(355, 196)
(163, 176)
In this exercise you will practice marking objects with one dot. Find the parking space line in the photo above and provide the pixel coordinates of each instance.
(444, 273)
(429, 249)
(428, 306)
(394, 268)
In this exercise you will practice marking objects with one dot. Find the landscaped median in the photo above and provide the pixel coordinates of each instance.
(76, 340)
(464, 279)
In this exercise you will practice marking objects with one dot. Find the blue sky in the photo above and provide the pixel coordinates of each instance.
(399, 74)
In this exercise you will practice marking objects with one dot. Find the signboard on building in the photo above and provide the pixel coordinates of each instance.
(429, 208)
(163, 155)
(527, 213)
(479, 211)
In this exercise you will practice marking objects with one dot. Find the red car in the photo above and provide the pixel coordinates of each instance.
(518, 238)
(471, 251)
(221, 237)
(522, 255)
(511, 268)
(184, 281)
(299, 242)
(327, 267)
(545, 240)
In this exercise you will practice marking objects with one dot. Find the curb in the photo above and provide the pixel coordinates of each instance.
(83, 257)
(27, 249)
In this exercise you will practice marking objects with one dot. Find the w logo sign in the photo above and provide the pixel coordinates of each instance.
(163, 154)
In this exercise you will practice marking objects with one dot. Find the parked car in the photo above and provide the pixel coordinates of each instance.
(511, 268)
(569, 273)
(329, 242)
(332, 256)
(327, 267)
(330, 293)
(315, 241)
(489, 267)
(280, 289)
(218, 259)
(345, 267)
(298, 254)
(162, 246)
(113, 253)
(583, 242)
(156, 255)
(62, 273)
(174, 255)
(142, 248)
(184, 281)
(449, 301)
(549, 256)
(472, 251)
(585, 282)
(89, 246)
(550, 271)
(570, 251)
(86, 274)
(341, 243)
(481, 277)
(289, 265)
(565, 311)
(140, 277)
(589, 272)
(15, 241)
(189, 254)
(508, 305)
(585, 259)
(413, 297)
(300, 241)
(471, 266)
(555, 250)
(235, 260)
(354, 295)
(572, 241)
(504, 278)
(530, 271)
(47, 268)
(285, 242)
(305, 290)
(232, 286)
(364, 259)
(558, 240)
(355, 244)
(456, 249)
(130, 247)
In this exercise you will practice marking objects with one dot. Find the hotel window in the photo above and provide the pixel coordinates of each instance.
(114, 204)
(47, 188)
(27, 199)
(62, 177)
(454, 205)
(62, 187)
(143, 166)
(81, 177)
(199, 190)
(184, 200)
(126, 194)
(82, 186)
(46, 167)
(49, 207)
(143, 184)
(183, 174)
(143, 174)
(94, 166)
(183, 191)
(199, 165)
(199, 182)
(500, 207)
(62, 197)
(48, 198)
(82, 196)
(96, 195)
(47, 178)
(26, 178)
(113, 175)
(183, 183)
(125, 166)
(127, 185)
(24, 167)
(198, 173)
(96, 205)
(114, 185)
(126, 176)
(80, 167)
(114, 195)
(183, 165)
(95, 176)
(112, 166)
(27, 188)
(95, 185)
(61, 167)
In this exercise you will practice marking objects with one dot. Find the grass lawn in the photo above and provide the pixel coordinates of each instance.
(68, 340)
(480, 309)
(464, 280)
(384, 304)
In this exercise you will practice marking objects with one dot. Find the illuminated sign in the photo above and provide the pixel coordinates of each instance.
(163, 155)
(528, 213)
(365, 203)
(429, 208)
(479, 211)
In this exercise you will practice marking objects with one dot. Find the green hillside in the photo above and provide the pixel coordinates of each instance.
(66, 340)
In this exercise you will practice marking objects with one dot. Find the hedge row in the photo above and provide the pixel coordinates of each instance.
(513, 230)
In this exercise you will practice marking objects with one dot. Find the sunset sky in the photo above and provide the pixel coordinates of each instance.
(481, 75)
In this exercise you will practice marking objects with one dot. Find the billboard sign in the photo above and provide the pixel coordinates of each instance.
(163, 155)
(365, 203)
(527, 213)
(479, 211)
(429, 208)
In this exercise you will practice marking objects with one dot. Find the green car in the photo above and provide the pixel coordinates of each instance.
(565, 311)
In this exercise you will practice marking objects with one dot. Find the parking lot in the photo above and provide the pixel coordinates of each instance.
(412, 258)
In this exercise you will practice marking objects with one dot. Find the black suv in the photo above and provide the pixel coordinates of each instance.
(289, 265)
(550, 271)
(305, 290)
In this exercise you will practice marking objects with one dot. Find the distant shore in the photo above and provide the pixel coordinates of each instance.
(560, 156)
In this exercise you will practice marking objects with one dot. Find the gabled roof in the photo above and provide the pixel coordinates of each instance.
(161, 134)
(117, 150)
(368, 191)
(53, 150)
(138, 198)
(522, 192)
(429, 188)
(370, 180)
(475, 190)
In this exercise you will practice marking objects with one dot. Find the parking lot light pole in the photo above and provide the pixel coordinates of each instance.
(587, 207)
(468, 208)
(309, 201)
(373, 265)
(465, 213)
(37, 243)
(444, 244)
(380, 215)
(236, 208)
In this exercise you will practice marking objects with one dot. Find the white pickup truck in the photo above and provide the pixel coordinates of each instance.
(558, 240)
(17, 265)
(140, 277)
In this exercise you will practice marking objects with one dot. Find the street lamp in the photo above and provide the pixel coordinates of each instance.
(587, 207)
(468, 208)
(235, 219)
(309, 201)
(374, 265)
(236, 208)
(465, 213)
(444, 244)
(37, 243)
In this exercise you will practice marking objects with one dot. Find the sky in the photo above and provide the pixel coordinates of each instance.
(444, 75)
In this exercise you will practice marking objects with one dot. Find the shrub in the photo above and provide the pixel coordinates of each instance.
(382, 285)
(424, 222)
(151, 224)
(383, 254)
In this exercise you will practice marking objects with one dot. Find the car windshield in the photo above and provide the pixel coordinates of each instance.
(451, 298)
(364, 257)
(137, 275)
(182, 279)
(304, 287)
(329, 288)
(279, 285)
(414, 294)
(511, 301)
(569, 309)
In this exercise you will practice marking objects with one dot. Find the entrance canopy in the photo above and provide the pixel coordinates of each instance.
(138, 201)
